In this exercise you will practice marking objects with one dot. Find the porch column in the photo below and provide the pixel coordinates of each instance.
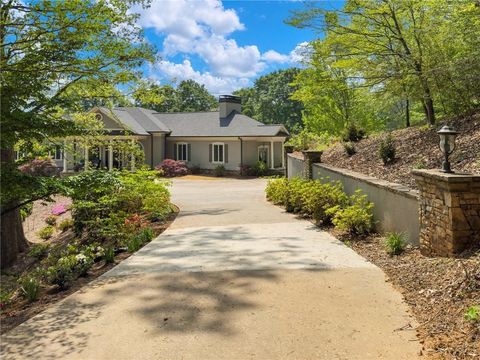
(86, 158)
(283, 155)
(65, 162)
(110, 157)
(272, 164)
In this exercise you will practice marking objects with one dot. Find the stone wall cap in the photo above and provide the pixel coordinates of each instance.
(312, 152)
(384, 184)
(445, 177)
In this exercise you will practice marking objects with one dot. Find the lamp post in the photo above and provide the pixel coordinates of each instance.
(447, 145)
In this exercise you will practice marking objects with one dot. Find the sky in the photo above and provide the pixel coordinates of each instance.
(224, 45)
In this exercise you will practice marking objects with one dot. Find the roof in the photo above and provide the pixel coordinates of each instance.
(143, 122)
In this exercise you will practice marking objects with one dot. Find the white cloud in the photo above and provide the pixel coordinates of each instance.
(202, 28)
(217, 85)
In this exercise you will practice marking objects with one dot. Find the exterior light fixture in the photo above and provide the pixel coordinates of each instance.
(447, 145)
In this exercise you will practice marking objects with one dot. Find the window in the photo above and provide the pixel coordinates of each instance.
(218, 153)
(57, 153)
(182, 152)
(263, 154)
(18, 155)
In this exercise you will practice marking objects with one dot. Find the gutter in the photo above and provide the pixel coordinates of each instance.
(241, 155)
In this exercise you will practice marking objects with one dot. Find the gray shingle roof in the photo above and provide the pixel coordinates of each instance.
(143, 121)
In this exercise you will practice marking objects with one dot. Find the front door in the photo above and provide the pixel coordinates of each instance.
(263, 154)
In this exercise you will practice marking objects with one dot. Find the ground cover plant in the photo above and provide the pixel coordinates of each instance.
(113, 214)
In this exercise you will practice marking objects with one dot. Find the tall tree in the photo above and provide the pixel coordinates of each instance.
(47, 49)
(269, 100)
(188, 96)
(402, 42)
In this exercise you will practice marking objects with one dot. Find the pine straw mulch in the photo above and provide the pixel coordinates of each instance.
(438, 292)
(19, 310)
(416, 147)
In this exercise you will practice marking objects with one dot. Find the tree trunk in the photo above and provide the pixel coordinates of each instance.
(12, 238)
(407, 113)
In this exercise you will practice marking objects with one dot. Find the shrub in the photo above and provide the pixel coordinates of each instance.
(349, 148)
(38, 251)
(134, 243)
(40, 167)
(259, 169)
(473, 313)
(30, 288)
(146, 234)
(307, 140)
(83, 264)
(357, 218)
(395, 243)
(277, 191)
(220, 170)
(26, 210)
(65, 224)
(387, 150)
(51, 220)
(109, 255)
(46, 233)
(172, 168)
(353, 133)
(59, 209)
(321, 197)
(92, 185)
(295, 199)
(63, 272)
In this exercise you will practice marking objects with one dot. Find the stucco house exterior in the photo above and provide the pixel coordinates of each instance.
(201, 139)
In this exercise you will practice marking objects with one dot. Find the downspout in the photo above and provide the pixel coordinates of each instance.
(241, 156)
(151, 151)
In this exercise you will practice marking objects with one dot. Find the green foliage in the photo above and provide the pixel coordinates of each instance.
(136, 241)
(306, 140)
(219, 170)
(349, 148)
(353, 133)
(188, 96)
(356, 218)
(258, 169)
(30, 288)
(429, 65)
(387, 150)
(26, 210)
(320, 197)
(65, 224)
(109, 255)
(68, 268)
(92, 185)
(38, 251)
(473, 313)
(51, 220)
(46, 233)
(395, 243)
(269, 100)
(277, 191)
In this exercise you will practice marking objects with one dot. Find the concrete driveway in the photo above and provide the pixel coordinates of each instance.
(233, 278)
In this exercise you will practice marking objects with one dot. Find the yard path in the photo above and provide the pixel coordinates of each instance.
(234, 277)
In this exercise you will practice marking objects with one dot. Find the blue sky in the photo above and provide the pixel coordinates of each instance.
(223, 45)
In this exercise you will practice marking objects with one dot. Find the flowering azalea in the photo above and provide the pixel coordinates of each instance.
(59, 209)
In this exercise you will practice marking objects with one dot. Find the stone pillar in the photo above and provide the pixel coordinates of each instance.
(287, 149)
(449, 211)
(310, 157)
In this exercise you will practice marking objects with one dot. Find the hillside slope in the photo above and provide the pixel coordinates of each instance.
(416, 147)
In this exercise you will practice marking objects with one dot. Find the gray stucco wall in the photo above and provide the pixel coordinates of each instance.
(158, 149)
(200, 152)
(395, 206)
(250, 152)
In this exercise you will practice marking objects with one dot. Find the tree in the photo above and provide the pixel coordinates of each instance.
(49, 48)
(400, 46)
(269, 100)
(188, 96)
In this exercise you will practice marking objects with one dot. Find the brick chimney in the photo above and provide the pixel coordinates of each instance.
(229, 103)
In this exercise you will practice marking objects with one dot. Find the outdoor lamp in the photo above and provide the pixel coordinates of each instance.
(447, 145)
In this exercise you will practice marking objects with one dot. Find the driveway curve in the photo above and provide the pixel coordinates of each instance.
(234, 277)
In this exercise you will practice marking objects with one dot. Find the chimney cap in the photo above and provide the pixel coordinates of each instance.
(230, 99)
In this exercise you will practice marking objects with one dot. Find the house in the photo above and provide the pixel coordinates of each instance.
(201, 139)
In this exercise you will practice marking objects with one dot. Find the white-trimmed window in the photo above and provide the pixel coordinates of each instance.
(18, 155)
(218, 153)
(182, 153)
(56, 153)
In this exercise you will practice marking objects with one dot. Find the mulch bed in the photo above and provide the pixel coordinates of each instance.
(416, 147)
(438, 292)
(20, 310)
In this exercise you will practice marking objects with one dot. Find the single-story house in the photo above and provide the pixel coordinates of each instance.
(201, 139)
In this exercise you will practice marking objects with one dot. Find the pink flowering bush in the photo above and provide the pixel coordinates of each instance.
(59, 209)
(172, 168)
(40, 167)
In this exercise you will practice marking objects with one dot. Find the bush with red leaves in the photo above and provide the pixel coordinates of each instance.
(172, 168)
(40, 167)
